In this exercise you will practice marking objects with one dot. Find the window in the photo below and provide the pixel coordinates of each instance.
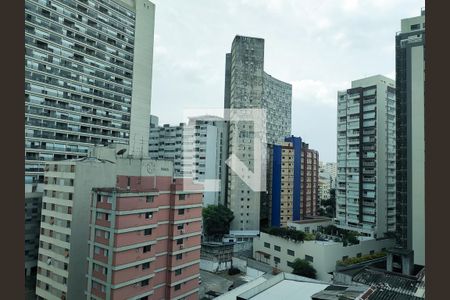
(359, 255)
(148, 231)
(290, 264)
(277, 248)
(181, 197)
(99, 198)
(149, 199)
(145, 265)
(178, 272)
(179, 241)
(144, 282)
(147, 248)
(179, 256)
(149, 215)
(290, 252)
(309, 258)
(177, 287)
(180, 227)
(372, 252)
(267, 245)
(276, 259)
(345, 257)
(181, 211)
(415, 26)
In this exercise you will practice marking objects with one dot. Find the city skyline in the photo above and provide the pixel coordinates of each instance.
(351, 30)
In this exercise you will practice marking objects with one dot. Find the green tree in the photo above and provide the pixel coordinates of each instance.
(216, 220)
(302, 267)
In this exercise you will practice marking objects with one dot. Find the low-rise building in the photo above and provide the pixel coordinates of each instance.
(293, 188)
(310, 224)
(288, 286)
(323, 255)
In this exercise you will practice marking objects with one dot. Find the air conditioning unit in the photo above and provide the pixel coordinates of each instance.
(181, 246)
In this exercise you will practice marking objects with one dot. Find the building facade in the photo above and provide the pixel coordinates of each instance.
(88, 79)
(323, 255)
(285, 192)
(33, 203)
(365, 194)
(84, 62)
(197, 151)
(309, 191)
(327, 179)
(410, 94)
(247, 86)
(144, 240)
(294, 183)
(67, 226)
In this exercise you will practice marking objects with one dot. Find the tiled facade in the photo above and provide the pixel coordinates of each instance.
(247, 86)
(119, 227)
(294, 184)
(144, 242)
(80, 58)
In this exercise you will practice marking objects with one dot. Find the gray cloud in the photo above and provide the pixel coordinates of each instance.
(319, 46)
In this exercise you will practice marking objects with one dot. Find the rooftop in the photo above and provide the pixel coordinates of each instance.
(283, 285)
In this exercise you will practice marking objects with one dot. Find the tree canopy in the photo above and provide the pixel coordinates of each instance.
(216, 220)
(287, 233)
(302, 267)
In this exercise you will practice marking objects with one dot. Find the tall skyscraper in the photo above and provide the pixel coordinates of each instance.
(410, 93)
(247, 86)
(365, 197)
(88, 77)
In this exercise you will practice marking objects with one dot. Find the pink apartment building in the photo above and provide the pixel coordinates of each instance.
(145, 239)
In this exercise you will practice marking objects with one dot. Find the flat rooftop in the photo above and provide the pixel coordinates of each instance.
(290, 289)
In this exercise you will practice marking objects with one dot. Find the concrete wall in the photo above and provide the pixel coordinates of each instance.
(142, 77)
(324, 254)
(213, 266)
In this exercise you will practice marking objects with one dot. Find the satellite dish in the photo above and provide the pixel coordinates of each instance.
(121, 151)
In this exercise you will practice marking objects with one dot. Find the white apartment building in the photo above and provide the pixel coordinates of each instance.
(196, 150)
(365, 192)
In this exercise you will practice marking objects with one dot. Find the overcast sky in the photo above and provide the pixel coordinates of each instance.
(319, 46)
